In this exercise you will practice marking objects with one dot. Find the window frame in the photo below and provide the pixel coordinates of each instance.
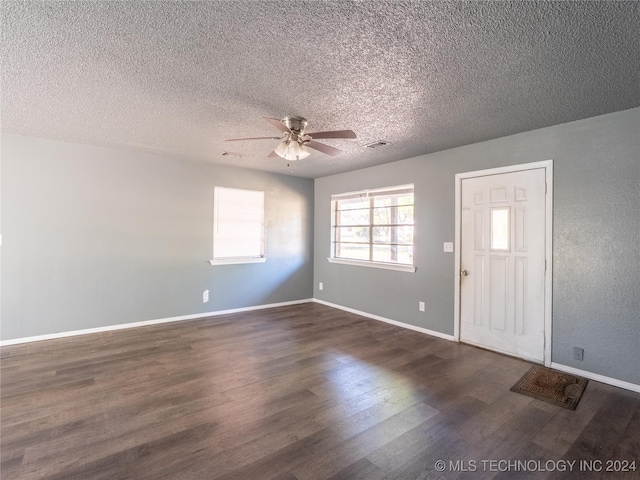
(370, 194)
(235, 259)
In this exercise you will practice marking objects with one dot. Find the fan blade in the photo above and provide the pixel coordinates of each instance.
(278, 124)
(253, 138)
(321, 147)
(272, 154)
(333, 134)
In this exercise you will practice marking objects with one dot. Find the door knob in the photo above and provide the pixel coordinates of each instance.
(464, 273)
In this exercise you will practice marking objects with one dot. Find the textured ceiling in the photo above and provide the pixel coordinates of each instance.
(180, 77)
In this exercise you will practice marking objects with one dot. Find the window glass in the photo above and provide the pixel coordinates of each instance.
(375, 226)
(500, 228)
(238, 223)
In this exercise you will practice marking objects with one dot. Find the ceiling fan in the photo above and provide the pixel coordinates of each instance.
(295, 142)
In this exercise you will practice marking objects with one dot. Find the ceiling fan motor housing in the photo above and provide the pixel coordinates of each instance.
(295, 124)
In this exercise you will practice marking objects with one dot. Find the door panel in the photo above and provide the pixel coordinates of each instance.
(503, 256)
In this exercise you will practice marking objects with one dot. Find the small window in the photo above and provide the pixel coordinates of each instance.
(500, 228)
(374, 228)
(238, 226)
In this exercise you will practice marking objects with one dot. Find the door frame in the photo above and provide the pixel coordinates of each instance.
(548, 167)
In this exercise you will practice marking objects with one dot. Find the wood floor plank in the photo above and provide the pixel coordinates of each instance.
(341, 429)
(628, 447)
(560, 434)
(363, 469)
(604, 432)
(407, 449)
(301, 392)
(346, 453)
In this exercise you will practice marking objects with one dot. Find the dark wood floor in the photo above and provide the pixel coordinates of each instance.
(304, 392)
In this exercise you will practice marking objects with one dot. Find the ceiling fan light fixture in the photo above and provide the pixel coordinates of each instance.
(291, 150)
(295, 142)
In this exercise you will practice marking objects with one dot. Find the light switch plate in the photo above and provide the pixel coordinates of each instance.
(448, 247)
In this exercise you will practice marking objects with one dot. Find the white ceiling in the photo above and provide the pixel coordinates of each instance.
(181, 77)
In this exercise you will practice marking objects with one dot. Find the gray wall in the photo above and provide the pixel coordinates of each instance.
(95, 237)
(596, 259)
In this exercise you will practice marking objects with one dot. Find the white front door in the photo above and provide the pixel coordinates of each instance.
(502, 262)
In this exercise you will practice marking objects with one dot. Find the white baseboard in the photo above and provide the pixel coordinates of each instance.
(563, 368)
(122, 326)
(597, 377)
(433, 333)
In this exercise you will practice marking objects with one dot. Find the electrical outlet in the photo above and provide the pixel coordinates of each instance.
(578, 354)
(205, 296)
(448, 247)
(421, 306)
(320, 286)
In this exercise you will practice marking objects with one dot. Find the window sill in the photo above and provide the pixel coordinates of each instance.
(233, 261)
(386, 266)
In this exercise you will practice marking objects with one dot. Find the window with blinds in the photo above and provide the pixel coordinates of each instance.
(374, 225)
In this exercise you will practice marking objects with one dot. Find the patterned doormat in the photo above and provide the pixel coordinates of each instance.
(562, 389)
